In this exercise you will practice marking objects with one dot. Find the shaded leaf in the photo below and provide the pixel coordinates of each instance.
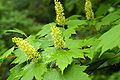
(110, 39)
(75, 23)
(14, 71)
(7, 53)
(21, 56)
(15, 31)
(33, 70)
(75, 72)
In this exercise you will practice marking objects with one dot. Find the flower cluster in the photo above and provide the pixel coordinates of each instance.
(58, 40)
(89, 11)
(27, 48)
(59, 13)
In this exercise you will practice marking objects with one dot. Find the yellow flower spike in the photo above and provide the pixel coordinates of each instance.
(60, 18)
(27, 48)
(58, 40)
(89, 11)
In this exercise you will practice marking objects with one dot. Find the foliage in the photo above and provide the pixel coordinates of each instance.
(11, 19)
(75, 50)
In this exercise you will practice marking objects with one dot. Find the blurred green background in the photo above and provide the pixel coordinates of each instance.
(30, 15)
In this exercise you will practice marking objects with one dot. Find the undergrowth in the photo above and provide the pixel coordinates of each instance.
(57, 53)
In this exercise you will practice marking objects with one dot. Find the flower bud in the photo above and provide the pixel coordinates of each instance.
(58, 40)
(89, 11)
(60, 18)
(27, 48)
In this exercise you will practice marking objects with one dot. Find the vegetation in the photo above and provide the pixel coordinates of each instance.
(81, 44)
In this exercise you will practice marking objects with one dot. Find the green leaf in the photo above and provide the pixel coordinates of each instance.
(21, 56)
(75, 72)
(117, 21)
(45, 30)
(71, 44)
(63, 58)
(103, 9)
(14, 71)
(53, 75)
(115, 76)
(34, 42)
(7, 53)
(33, 70)
(48, 54)
(116, 2)
(115, 60)
(74, 17)
(89, 42)
(111, 17)
(110, 39)
(68, 32)
(76, 53)
(46, 41)
(107, 20)
(75, 23)
(90, 52)
(15, 31)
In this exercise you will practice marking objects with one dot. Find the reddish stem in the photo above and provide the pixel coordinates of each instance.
(56, 67)
(107, 66)
(11, 56)
(25, 35)
(89, 29)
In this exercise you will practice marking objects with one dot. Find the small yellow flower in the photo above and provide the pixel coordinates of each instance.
(89, 11)
(27, 48)
(58, 40)
(60, 18)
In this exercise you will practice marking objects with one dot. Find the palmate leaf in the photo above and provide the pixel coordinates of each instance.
(14, 71)
(74, 17)
(73, 44)
(75, 23)
(32, 70)
(70, 43)
(115, 60)
(103, 9)
(34, 42)
(62, 57)
(46, 41)
(45, 29)
(111, 17)
(76, 53)
(107, 20)
(48, 54)
(7, 53)
(21, 56)
(74, 72)
(68, 32)
(53, 75)
(110, 39)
